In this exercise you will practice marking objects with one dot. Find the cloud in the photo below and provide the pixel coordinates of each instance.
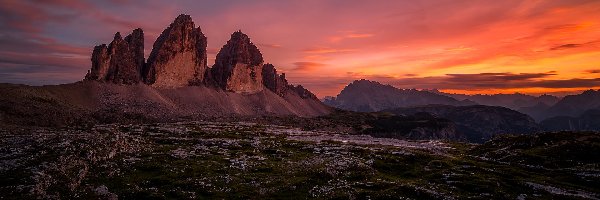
(571, 46)
(593, 71)
(565, 46)
(494, 81)
(270, 45)
(325, 50)
(307, 66)
(350, 35)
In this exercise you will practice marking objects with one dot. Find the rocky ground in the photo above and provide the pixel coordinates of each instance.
(240, 160)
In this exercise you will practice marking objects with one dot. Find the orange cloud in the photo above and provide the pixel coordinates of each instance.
(327, 50)
(350, 35)
(307, 66)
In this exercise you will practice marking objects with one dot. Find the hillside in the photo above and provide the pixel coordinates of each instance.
(478, 122)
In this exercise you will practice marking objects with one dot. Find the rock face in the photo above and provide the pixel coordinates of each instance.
(273, 81)
(303, 92)
(238, 66)
(119, 62)
(178, 57)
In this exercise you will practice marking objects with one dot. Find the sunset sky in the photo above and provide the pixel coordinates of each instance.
(501, 46)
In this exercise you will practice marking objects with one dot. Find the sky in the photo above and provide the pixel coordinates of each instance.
(526, 46)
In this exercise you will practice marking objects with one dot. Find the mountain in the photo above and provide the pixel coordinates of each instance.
(575, 105)
(515, 101)
(174, 83)
(368, 96)
(178, 56)
(477, 122)
(588, 121)
(119, 62)
(570, 107)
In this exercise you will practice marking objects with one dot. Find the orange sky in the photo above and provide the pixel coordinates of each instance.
(475, 46)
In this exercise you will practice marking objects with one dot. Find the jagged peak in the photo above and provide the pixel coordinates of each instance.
(118, 36)
(183, 18)
(240, 49)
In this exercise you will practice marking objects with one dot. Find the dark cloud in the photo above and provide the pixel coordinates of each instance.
(494, 81)
(566, 46)
(593, 71)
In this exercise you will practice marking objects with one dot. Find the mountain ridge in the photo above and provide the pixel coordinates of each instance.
(174, 83)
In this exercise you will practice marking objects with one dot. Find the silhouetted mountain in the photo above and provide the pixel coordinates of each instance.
(588, 121)
(478, 122)
(368, 96)
(537, 112)
(575, 105)
(513, 101)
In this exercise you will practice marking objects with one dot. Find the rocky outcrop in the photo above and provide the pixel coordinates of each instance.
(273, 81)
(279, 85)
(238, 66)
(119, 62)
(178, 57)
(303, 92)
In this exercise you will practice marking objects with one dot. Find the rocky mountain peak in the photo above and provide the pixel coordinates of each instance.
(273, 81)
(119, 62)
(178, 56)
(239, 49)
(117, 36)
(238, 66)
(183, 19)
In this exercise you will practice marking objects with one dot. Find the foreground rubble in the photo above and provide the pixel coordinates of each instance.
(253, 161)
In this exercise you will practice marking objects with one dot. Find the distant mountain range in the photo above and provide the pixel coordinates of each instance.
(513, 101)
(573, 112)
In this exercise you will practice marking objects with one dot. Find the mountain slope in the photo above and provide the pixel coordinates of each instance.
(478, 122)
(588, 121)
(575, 105)
(92, 102)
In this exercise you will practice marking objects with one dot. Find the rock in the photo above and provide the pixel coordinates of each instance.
(136, 45)
(119, 62)
(238, 66)
(303, 92)
(178, 57)
(100, 63)
(273, 81)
